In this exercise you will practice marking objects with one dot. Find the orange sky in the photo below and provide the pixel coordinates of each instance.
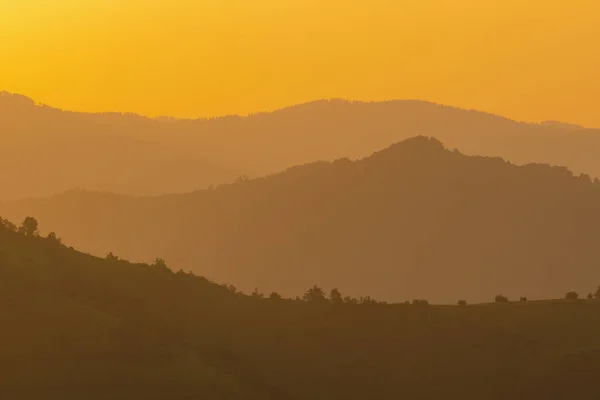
(529, 60)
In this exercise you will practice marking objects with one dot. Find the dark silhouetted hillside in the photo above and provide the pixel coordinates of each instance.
(75, 326)
(412, 221)
(47, 151)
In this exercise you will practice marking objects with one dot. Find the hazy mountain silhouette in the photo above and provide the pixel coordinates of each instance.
(412, 221)
(47, 151)
(79, 327)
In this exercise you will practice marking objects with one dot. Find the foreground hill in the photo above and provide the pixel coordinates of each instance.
(75, 326)
(412, 221)
(47, 151)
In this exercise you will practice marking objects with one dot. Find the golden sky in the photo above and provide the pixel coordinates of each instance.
(526, 59)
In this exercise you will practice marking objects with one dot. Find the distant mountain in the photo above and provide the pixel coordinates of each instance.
(47, 151)
(412, 221)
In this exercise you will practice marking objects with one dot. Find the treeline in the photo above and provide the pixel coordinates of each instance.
(29, 227)
(314, 294)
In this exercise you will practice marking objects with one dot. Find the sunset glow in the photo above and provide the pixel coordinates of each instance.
(529, 60)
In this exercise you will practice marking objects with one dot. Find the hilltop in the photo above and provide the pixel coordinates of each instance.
(134, 155)
(414, 220)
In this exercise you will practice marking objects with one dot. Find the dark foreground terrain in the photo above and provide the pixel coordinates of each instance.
(73, 326)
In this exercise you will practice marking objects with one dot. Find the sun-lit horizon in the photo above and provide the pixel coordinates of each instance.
(261, 111)
(299, 199)
(197, 59)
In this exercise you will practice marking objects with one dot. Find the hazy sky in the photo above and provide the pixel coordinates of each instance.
(526, 59)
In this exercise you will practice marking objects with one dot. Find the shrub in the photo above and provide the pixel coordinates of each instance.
(275, 296)
(52, 238)
(418, 302)
(571, 296)
(501, 299)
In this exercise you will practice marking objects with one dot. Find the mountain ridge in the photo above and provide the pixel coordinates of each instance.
(21, 99)
(141, 156)
(378, 226)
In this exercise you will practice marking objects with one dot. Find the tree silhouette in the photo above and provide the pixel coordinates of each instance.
(462, 303)
(336, 297)
(8, 225)
(53, 239)
(256, 293)
(500, 299)
(231, 288)
(367, 300)
(29, 227)
(314, 294)
(523, 299)
(571, 296)
(275, 296)
(159, 262)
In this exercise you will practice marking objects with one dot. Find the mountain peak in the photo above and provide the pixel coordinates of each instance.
(417, 145)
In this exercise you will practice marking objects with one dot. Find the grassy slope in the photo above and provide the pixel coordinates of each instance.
(74, 326)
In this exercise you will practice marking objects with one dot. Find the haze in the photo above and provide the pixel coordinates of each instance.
(530, 61)
(299, 199)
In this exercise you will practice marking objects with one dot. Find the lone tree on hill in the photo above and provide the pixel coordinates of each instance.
(571, 296)
(29, 227)
(501, 299)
